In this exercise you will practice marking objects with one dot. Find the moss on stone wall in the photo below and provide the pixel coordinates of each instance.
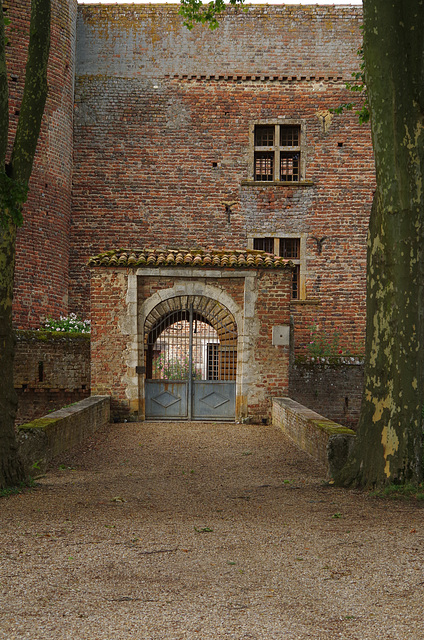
(332, 428)
(47, 336)
(39, 423)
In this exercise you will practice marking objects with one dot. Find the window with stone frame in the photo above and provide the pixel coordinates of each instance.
(277, 153)
(289, 248)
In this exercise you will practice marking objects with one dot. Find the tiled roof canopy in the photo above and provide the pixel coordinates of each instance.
(203, 259)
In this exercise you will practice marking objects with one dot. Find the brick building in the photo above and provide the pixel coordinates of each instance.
(156, 137)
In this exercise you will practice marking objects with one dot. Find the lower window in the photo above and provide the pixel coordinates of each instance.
(289, 248)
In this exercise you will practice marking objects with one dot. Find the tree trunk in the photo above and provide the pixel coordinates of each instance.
(11, 470)
(390, 433)
(13, 180)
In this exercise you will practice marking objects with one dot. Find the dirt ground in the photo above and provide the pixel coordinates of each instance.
(205, 531)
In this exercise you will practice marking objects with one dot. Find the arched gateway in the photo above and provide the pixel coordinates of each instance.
(198, 334)
(191, 359)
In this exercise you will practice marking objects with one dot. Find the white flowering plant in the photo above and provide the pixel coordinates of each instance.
(68, 324)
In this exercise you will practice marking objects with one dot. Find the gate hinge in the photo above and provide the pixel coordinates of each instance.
(140, 369)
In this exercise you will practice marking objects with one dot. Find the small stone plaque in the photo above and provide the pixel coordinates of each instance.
(281, 335)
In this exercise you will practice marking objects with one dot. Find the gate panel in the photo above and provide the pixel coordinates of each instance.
(165, 399)
(214, 400)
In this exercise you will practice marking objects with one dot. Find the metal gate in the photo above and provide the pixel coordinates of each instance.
(191, 360)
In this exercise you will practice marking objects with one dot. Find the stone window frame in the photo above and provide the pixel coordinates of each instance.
(301, 261)
(277, 149)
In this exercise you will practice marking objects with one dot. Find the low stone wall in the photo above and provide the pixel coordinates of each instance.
(331, 389)
(51, 370)
(46, 437)
(325, 440)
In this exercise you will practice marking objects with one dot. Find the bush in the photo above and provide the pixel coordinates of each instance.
(69, 324)
(174, 368)
(322, 345)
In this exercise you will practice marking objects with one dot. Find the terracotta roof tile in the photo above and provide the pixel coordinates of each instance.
(197, 258)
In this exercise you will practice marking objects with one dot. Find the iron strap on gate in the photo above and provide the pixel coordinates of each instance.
(191, 360)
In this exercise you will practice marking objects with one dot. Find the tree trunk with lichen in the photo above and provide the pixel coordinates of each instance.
(389, 445)
(14, 177)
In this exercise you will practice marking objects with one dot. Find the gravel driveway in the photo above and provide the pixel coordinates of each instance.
(165, 531)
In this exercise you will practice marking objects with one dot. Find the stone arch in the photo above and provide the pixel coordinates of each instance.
(193, 289)
(205, 310)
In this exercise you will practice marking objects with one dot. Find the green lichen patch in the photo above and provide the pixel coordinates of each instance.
(38, 423)
(332, 428)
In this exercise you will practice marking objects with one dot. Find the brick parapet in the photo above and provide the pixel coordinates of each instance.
(45, 438)
(50, 371)
(333, 390)
(326, 441)
(286, 42)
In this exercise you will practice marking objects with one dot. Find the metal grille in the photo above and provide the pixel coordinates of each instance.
(264, 244)
(190, 343)
(264, 136)
(295, 281)
(264, 166)
(289, 136)
(289, 167)
(290, 248)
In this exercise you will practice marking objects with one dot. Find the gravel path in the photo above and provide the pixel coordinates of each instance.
(165, 531)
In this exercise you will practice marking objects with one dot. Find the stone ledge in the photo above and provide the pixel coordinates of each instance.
(278, 183)
(44, 438)
(326, 441)
(42, 335)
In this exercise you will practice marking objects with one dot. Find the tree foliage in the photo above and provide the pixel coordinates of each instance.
(359, 87)
(194, 11)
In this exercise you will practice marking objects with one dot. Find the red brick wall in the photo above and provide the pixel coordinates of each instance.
(149, 285)
(157, 106)
(50, 371)
(332, 390)
(108, 344)
(270, 362)
(42, 254)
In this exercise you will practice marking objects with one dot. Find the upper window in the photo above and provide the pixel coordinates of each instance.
(277, 153)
